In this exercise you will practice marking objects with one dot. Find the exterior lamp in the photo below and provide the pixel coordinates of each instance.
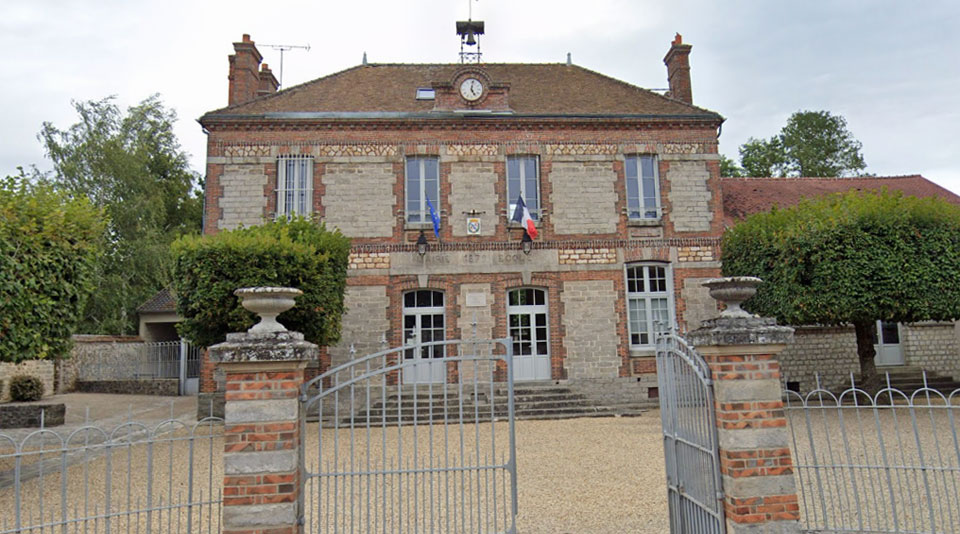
(526, 244)
(422, 244)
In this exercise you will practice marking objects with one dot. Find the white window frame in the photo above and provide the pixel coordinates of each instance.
(531, 310)
(647, 297)
(424, 212)
(297, 200)
(642, 212)
(512, 195)
(418, 312)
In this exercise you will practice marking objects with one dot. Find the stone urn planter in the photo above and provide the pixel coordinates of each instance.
(268, 303)
(733, 291)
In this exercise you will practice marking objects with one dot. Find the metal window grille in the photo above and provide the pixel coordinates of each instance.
(887, 462)
(294, 186)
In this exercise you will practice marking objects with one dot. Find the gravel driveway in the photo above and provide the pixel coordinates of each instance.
(594, 475)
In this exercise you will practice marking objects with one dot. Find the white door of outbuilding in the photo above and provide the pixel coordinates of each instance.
(888, 347)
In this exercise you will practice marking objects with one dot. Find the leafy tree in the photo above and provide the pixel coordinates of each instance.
(812, 143)
(49, 245)
(852, 258)
(132, 166)
(299, 254)
(729, 168)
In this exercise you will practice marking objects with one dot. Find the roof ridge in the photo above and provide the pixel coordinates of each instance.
(288, 90)
(801, 178)
(654, 93)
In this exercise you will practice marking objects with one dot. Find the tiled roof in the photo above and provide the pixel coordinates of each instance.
(535, 89)
(162, 302)
(745, 196)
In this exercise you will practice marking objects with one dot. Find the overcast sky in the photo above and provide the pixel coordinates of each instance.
(892, 68)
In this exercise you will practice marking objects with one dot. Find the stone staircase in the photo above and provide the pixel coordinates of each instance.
(908, 378)
(531, 401)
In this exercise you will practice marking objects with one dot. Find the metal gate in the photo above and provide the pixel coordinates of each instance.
(694, 490)
(391, 457)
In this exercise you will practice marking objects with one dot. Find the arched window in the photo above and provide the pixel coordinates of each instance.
(649, 303)
(423, 322)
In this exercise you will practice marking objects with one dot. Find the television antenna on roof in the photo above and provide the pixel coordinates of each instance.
(282, 49)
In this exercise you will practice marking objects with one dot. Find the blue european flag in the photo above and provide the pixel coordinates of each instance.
(435, 218)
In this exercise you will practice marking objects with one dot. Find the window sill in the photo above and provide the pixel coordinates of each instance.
(645, 222)
(418, 226)
(643, 352)
(514, 224)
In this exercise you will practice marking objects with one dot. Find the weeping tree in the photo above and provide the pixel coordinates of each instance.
(852, 258)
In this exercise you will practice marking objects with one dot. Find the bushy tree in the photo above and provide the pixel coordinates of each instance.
(130, 165)
(49, 245)
(729, 168)
(298, 253)
(812, 143)
(852, 258)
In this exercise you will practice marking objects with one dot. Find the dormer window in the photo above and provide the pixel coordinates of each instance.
(426, 93)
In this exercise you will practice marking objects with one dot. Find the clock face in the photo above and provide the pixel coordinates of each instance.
(471, 89)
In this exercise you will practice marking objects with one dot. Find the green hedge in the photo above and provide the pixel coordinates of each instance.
(49, 245)
(852, 257)
(298, 253)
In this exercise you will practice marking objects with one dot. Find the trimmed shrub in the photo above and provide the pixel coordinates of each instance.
(49, 244)
(26, 388)
(297, 253)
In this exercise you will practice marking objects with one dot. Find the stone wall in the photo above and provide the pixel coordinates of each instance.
(829, 351)
(689, 196)
(832, 352)
(364, 324)
(579, 188)
(931, 346)
(589, 317)
(158, 386)
(613, 391)
(101, 356)
(698, 304)
(243, 201)
(472, 187)
(359, 198)
(42, 369)
(24, 415)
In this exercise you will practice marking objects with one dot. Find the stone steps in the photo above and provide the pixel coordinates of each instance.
(531, 401)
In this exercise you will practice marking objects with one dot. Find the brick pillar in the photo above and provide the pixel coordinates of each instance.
(261, 478)
(760, 494)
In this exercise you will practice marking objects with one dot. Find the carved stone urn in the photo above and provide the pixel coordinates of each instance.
(732, 291)
(268, 303)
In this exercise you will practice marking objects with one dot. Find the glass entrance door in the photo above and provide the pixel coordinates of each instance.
(423, 322)
(527, 325)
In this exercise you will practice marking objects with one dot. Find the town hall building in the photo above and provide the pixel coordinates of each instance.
(422, 166)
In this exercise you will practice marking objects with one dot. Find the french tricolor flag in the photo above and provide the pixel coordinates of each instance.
(522, 216)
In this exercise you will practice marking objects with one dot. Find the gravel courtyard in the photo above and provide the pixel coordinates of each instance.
(593, 475)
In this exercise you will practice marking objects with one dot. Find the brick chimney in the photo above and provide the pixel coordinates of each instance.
(677, 61)
(268, 82)
(244, 78)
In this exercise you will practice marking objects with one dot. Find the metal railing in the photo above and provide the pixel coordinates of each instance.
(694, 488)
(134, 478)
(887, 462)
(413, 439)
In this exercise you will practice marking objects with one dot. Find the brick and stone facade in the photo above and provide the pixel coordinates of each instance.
(586, 237)
(358, 144)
